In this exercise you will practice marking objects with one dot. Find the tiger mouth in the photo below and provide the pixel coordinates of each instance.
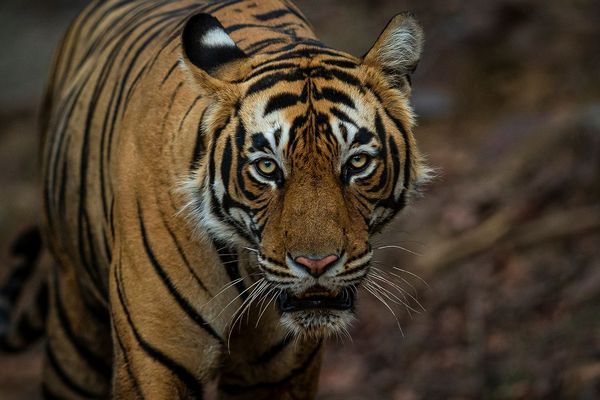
(316, 298)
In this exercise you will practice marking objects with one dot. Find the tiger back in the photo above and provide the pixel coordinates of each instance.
(213, 175)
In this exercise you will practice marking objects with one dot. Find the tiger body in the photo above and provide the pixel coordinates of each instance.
(189, 166)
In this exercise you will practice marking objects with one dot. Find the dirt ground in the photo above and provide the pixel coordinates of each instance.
(500, 258)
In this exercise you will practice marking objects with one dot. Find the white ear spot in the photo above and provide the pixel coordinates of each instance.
(217, 38)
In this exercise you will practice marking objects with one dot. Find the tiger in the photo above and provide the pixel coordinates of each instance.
(212, 177)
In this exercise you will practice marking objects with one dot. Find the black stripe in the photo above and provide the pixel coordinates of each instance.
(84, 158)
(260, 142)
(271, 80)
(407, 162)
(75, 31)
(134, 14)
(291, 52)
(87, 256)
(94, 361)
(226, 158)
(185, 259)
(280, 102)
(65, 378)
(177, 369)
(340, 75)
(336, 96)
(132, 377)
(341, 63)
(233, 28)
(199, 147)
(270, 68)
(165, 118)
(65, 110)
(170, 72)
(189, 110)
(229, 258)
(134, 85)
(119, 91)
(106, 245)
(342, 116)
(181, 301)
(273, 351)
(215, 6)
(238, 389)
(107, 67)
(263, 44)
(216, 206)
(272, 15)
(62, 188)
(382, 138)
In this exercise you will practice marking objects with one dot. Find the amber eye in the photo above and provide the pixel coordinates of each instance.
(359, 161)
(267, 167)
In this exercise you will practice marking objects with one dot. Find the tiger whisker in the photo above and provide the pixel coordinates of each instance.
(397, 247)
(240, 294)
(277, 291)
(393, 298)
(423, 281)
(397, 277)
(240, 310)
(230, 262)
(259, 293)
(347, 333)
(227, 286)
(246, 306)
(412, 274)
(370, 289)
(399, 288)
(404, 280)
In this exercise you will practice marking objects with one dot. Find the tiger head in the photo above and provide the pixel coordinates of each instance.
(308, 152)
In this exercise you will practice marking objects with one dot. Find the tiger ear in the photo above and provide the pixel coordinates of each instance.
(212, 53)
(398, 49)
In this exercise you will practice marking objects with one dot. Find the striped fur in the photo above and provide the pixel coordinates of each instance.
(171, 243)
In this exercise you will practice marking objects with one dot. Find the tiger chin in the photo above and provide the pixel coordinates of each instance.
(212, 177)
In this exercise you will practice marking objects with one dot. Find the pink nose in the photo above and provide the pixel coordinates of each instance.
(316, 267)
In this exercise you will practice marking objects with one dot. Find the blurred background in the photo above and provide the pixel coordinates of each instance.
(499, 261)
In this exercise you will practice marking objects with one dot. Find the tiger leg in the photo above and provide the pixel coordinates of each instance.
(160, 353)
(78, 347)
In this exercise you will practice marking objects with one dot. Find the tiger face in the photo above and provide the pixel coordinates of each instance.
(309, 152)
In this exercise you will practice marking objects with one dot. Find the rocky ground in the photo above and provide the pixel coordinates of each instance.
(506, 304)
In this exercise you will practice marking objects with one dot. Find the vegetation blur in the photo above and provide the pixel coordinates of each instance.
(498, 262)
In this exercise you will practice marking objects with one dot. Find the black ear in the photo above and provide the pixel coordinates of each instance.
(207, 45)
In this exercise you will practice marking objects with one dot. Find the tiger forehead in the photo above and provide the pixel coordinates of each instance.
(286, 100)
(306, 130)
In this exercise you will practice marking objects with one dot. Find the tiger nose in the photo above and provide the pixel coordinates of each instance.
(316, 267)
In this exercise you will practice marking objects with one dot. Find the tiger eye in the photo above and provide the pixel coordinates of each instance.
(359, 161)
(266, 166)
